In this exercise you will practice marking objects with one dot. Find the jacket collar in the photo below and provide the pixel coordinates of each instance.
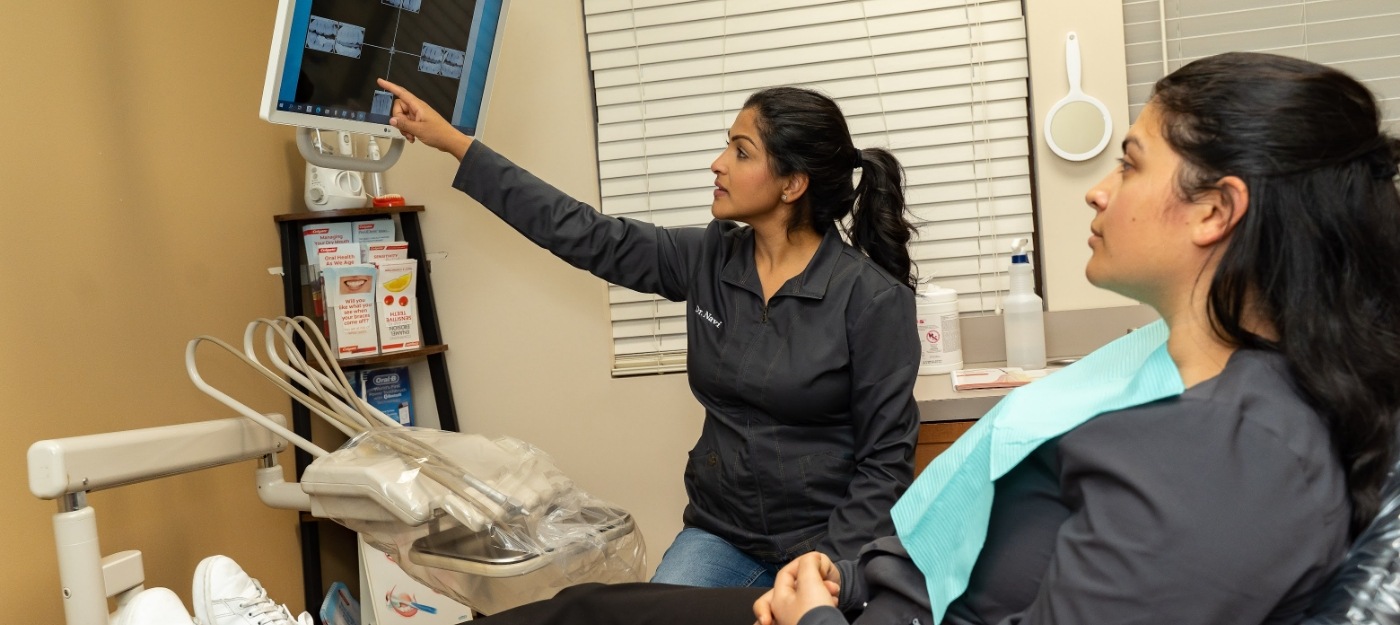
(741, 271)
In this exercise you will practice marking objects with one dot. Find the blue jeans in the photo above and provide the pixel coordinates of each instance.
(699, 558)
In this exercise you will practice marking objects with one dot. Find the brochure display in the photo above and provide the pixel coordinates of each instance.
(301, 290)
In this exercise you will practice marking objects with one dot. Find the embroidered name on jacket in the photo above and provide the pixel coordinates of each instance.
(704, 314)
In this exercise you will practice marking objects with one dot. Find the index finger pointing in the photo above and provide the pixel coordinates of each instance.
(399, 92)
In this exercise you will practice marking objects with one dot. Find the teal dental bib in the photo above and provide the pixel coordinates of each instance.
(942, 519)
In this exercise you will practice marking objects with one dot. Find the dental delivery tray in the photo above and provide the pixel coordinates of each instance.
(481, 553)
(363, 488)
(492, 524)
(380, 476)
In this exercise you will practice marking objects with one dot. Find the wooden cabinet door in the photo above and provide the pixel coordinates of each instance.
(936, 437)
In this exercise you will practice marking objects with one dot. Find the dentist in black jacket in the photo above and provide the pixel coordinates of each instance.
(801, 346)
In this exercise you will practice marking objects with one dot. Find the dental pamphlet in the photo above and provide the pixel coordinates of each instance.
(338, 255)
(374, 231)
(350, 309)
(380, 251)
(315, 237)
(322, 235)
(398, 306)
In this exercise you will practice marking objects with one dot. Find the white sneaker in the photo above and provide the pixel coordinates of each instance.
(153, 606)
(225, 595)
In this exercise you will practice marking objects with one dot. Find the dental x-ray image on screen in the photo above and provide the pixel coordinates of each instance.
(327, 54)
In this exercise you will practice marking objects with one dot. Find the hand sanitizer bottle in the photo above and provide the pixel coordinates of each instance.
(1023, 314)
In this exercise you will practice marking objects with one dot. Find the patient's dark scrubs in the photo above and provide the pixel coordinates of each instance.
(1224, 505)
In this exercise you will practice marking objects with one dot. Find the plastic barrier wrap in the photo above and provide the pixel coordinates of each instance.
(490, 523)
(1366, 588)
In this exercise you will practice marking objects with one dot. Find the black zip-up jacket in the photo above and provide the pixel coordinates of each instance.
(810, 421)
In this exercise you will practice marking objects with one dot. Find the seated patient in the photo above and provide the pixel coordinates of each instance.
(1256, 211)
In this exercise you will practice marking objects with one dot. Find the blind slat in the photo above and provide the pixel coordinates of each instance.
(1360, 37)
(897, 138)
(870, 100)
(839, 81)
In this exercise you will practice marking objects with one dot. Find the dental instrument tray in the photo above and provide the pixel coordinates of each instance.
(490, 523)
(474, 552)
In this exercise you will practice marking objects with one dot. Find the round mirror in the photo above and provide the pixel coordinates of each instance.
(1078, 127)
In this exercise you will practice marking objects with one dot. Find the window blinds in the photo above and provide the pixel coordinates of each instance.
(1360, 37)
(941, 83)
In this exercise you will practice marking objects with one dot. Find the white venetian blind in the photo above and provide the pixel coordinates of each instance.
(1360, 37)
(941, 83)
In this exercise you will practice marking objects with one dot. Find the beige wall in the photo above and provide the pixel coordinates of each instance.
(1060, 184)
(136, 223)
(138, 189)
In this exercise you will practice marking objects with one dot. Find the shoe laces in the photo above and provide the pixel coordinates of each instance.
(262, 610)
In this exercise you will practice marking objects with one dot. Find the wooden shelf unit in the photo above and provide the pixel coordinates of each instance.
(434, 350)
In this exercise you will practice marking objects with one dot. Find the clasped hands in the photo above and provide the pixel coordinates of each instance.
(808, 582)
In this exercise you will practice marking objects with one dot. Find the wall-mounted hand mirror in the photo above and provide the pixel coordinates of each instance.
(1078, 127)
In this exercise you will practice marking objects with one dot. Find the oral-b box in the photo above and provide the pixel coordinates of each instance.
(378, 252)
(398, 306)
(350, 309)
(374, 231)
(388, 390)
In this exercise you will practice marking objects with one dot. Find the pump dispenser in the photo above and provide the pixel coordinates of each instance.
(1022, 313)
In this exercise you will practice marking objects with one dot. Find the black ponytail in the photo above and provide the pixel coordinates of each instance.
(878, 223)
(1317, 253)
(804, 131)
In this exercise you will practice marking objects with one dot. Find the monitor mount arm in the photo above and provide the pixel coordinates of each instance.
(306, 144)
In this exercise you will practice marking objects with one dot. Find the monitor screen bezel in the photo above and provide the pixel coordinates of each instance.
(276, 61)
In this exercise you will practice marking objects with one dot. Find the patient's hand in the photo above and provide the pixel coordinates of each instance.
(810, 581)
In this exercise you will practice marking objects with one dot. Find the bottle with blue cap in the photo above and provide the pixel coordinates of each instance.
(1023, 315)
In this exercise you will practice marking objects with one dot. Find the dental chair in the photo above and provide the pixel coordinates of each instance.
(1366, 589)
(70, 468)
(490, 523)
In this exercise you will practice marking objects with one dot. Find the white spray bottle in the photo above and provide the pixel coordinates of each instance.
(1022, 313)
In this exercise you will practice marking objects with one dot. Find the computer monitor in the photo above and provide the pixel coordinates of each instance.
(326, 55)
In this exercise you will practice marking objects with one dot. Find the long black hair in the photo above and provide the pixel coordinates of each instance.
(1317, 252)
(804, 131)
